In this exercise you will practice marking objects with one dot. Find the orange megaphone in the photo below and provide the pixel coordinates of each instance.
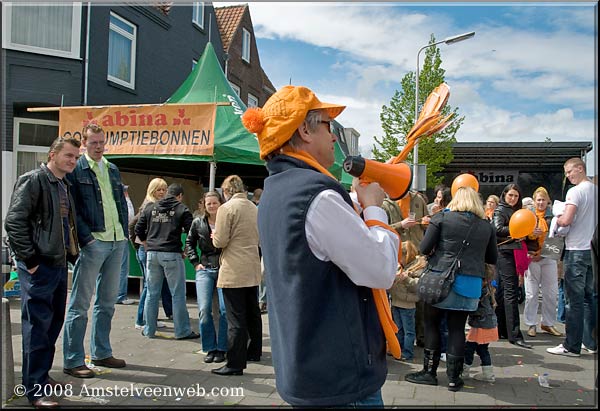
(394, 179)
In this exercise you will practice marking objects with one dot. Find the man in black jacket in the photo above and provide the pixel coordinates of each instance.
(41, 229)
(160, 227)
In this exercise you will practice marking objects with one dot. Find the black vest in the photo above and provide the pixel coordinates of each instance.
(327, 343)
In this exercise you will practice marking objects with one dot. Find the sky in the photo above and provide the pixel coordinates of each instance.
(528, 74)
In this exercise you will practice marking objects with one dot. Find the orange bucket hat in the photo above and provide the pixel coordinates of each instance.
(282, 114)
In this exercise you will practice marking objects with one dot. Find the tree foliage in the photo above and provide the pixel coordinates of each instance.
(398, 117)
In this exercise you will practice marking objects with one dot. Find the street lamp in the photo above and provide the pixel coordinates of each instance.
(448, 40)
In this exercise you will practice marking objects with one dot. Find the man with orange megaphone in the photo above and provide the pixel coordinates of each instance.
(326, 269)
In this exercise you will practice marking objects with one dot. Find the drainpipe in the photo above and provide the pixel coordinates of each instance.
(87, 54)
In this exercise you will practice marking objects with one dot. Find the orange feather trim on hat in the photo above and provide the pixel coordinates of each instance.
(253, 119)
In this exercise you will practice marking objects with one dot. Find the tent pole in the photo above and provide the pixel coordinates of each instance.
(213, 172)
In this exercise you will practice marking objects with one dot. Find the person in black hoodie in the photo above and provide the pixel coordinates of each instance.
(508, 281)
(159, 228)
(207, 271)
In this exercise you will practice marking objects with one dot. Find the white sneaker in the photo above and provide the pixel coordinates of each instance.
(159, 324)
(126, 301)
(443, 357)
(586, 350)
(560, 350)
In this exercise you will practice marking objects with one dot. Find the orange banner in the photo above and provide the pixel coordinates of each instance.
(173, 129)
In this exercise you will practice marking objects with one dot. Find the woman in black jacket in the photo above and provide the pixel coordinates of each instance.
(462, 224)
(207, 271)
(508, 281)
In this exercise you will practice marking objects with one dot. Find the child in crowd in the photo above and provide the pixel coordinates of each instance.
(404, 297)
(483, 331)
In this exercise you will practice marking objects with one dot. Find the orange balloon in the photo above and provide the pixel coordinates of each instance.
(522, 223)
(464, 180)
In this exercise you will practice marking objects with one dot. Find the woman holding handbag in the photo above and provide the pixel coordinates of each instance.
(445, 242)
(542, 272)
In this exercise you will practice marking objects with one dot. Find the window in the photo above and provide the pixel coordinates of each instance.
(121, 51)
(235, 88)
(45, 29)
(194, 62)
(33, 138)
(198, 14)
(246, 45)
(252, 100)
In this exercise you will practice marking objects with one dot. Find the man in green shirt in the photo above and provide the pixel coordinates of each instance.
(101, 228)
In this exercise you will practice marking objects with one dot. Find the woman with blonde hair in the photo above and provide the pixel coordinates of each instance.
(460, 228)
(157, 188)
(490, 205)
(543, 271)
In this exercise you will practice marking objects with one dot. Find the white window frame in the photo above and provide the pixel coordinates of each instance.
(246, 45)
(252, 97)
(75, 34)
(17, 121)
(198, 8)
(236, 88)
(133, 37)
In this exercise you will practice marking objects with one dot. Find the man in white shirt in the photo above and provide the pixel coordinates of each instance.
(579, 215)
(321, 259)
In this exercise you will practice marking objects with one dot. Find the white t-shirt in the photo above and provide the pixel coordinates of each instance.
(584, 196)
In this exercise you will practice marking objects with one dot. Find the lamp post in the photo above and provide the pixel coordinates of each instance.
(448, 40)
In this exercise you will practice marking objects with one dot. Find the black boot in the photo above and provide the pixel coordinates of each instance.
(454, 368)
(428, 375)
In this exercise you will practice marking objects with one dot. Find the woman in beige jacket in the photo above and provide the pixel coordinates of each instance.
(236, 233)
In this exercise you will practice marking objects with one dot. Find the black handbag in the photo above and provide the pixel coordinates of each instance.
(434, 286)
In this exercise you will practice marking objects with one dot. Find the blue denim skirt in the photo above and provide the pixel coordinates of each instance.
(458, 302)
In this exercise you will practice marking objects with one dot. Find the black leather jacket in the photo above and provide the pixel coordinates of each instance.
(34, 224)
(445, 235)
(199, 236)
(502, 215)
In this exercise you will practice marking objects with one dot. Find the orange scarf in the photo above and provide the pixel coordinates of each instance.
(380, 297)
(542, 225)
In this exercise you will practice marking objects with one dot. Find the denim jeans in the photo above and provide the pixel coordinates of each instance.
(590, 334)
(167, 265)
(370, 401)
(124, 274)
(97, 269)
(43, 300)
(405, 320)
(579, 288)
(560, 312)
(165, 292)
(206, 282)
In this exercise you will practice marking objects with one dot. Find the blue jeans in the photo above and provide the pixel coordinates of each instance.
(165, 292)
(43, 300)
(206, 281)
(97, 269)
(124, 274)
(370, 401)
(167, 265)
(589, 325)
(405, 320)
(560, 313)
(579, 288)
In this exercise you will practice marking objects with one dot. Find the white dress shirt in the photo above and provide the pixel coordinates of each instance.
(367, 255)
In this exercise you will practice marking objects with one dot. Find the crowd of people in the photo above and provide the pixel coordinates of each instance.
(339, 270)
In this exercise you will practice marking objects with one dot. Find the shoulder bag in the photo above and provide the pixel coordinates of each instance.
(434, 286)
